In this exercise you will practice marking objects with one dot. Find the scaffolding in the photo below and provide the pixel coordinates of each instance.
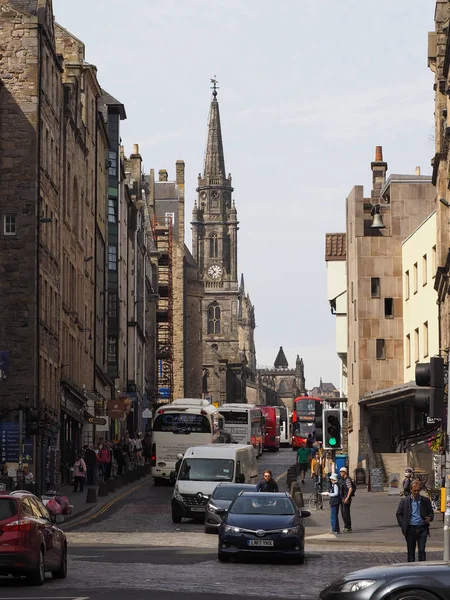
(164, 316)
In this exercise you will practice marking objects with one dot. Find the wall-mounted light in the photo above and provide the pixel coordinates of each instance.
(45, 220)
(88, 258)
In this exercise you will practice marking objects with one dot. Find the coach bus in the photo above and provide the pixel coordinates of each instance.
(178, 426)
(305, 410)
(244, 423)
(272, 435)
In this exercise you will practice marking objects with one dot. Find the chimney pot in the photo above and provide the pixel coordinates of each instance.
(379, 154)
(417, 170)
(135, 148)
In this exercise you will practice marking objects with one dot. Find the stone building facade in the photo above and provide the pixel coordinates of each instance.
(287, 383)
(227, 314)
(376, 228)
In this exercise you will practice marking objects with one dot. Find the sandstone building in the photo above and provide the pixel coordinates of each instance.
(227, 315)
(289, 383)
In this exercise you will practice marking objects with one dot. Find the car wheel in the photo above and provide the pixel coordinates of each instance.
(223, 557)
(413, 595)
(61, 573)
(37, 577)
(176, 517)
(210, 529)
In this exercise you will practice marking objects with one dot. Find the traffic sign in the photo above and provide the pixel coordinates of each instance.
(97, 420)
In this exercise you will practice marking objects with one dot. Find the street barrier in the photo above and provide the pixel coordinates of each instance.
(102, 489)
(91, 495)
(111, 486)
(298, 499)
(294, 488)
(118, 481)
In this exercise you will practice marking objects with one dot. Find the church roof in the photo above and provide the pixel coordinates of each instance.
(281, 360)
(214, 157)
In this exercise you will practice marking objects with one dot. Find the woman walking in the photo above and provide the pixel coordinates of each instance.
(79, 469)
(335, 500)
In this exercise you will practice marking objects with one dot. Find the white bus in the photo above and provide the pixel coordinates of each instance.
(285, 426)
(178, 426)
(244, 423)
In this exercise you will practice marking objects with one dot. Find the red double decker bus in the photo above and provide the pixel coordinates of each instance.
(305, 410)
(272, 419)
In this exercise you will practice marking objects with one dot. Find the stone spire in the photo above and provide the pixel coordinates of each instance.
(214, 166)
(281, 360)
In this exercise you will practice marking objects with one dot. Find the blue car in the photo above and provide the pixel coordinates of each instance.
(263, 524)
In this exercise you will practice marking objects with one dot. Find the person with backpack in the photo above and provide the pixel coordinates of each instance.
(348, 488)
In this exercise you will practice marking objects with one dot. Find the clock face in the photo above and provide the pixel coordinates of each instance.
(214, 194)
(215, 271)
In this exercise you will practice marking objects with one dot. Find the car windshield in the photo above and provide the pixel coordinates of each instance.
(227, 492)
(206, 469)
(8, 508)
(259, 505)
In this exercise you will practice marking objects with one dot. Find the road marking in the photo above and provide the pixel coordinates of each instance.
(46, 598)
(106, 507)
(277, 479)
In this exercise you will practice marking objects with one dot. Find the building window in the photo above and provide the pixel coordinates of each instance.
(112, 349)
(112, 306)
(433, 261)
(9, 225)
(214, 319)
(112, 212)
(416, 345)
(415, 278)
(213, 245)
(389, 308)
(381, 349)
(406, 285)
(353, 374)
(354, 310)
(169, 219)
(425, 339)
(112, 258)
(375, 287)
(408, 351)
(112, 163)
(424, 270)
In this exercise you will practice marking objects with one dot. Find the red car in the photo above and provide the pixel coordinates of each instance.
(30, 542)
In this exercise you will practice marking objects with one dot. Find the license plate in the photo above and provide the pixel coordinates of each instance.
(265, 543)
(198, 509)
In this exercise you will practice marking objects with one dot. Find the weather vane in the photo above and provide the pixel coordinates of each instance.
(214, 86)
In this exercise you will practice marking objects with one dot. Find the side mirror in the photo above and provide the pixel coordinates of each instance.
(240, 478)
(58, 519)
(305, 513)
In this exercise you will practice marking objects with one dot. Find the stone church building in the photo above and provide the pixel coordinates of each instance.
(289, 383)
(229, 357)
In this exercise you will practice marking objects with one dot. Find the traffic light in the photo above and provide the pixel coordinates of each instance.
(318, 423)
(332, 424)
(431, 376)
(31, 422)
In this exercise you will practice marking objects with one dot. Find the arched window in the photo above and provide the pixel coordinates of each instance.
(282, 388)
(213, 245)
(214, 318)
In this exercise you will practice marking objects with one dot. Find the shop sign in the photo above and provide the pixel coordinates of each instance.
(9, 444)
(116, 409)
(72, 408)
(97, 420)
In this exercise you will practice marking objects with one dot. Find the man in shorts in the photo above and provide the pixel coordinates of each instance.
(302, 462)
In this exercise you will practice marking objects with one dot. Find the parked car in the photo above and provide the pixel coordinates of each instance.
(263, 524)
(408, 581)
(30, 542)
(221, 498)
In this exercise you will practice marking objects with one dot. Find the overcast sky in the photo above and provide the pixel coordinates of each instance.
(307, 90)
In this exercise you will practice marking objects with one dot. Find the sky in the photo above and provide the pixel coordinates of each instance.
(307, 90)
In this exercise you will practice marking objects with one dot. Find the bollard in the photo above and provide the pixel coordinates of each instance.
(118, 482)
(102, 489)
(294, 488)
(111, 485)
(298, 499)
(91, 495)
(148, 469)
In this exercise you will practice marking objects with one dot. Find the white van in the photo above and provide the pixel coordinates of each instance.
(203, 467)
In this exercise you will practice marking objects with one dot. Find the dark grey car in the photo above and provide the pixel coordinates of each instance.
(221, 498)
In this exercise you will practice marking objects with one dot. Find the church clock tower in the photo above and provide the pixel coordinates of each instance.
(214, 247)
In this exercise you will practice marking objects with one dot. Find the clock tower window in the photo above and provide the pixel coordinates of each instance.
(214, 319)
(213, 245)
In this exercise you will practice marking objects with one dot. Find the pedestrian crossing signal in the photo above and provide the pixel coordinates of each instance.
(332, 424)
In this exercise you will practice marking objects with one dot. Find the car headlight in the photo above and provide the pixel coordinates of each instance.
(176, 494)
(290, 531)
(229, 529)
(211, 507)
(356, 586)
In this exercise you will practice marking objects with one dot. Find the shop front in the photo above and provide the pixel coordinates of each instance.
(71, 441)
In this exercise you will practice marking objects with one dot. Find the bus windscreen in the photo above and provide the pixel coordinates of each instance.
(182, 423)
(235, 418)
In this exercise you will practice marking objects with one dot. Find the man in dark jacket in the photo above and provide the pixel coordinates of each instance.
(268, 483)
(90, 458)
(414, 515)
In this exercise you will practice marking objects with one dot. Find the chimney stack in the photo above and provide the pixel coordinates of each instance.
(379, 168)
(163, 175)
(417, 170)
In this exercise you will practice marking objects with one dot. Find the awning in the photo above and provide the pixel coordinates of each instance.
(403, 393)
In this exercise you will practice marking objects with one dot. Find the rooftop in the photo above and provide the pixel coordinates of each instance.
(335, 246)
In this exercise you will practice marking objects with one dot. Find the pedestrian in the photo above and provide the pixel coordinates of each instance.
(302, 462)
(414, 515)
(147, 447)
(317, 472)
(268, 483)
(347, 493)
(329, 466)
(406, 484)
(28, 476)
(90, 458)
(335, 500)
(79, 470)
(118, 455)
(104, 459)
(137, 448)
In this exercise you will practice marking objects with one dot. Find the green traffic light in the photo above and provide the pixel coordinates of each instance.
(332, 441)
